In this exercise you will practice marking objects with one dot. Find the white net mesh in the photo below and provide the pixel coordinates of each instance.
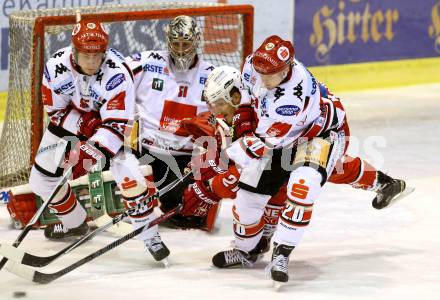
(222, 44)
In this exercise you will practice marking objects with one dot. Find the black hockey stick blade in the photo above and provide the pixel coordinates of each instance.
(40, 277)
(37, 215)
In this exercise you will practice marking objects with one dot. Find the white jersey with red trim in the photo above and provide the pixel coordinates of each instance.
(165, 97)
(286, 111)
(67, 94)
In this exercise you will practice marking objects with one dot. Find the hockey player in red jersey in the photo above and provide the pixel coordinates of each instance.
(312, 123)
(88, 93)
(169, 86)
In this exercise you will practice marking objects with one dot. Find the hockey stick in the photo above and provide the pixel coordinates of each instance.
(40, 277)
(40, 261)
(37, 215)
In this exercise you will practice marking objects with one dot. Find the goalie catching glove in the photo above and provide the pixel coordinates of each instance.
(198, 200)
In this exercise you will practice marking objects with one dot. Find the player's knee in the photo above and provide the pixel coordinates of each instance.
(304, 185)
(249, 207)
(247, 227)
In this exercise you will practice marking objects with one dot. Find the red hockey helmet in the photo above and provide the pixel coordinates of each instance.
(89, 37)
(273, 55)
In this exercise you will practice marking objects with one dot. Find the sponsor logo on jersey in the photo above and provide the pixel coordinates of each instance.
(173, 113)
(156, 56)
(111, 64)
(202, 80)
(278, 129)
(210, 68)
(298, 91)
(157, 84)
(136, 56)
(314, 85)
(115, 81)
(263, 107)
(64, 88)
(58, 54)
(117, 54)
(60, 69)
(247, 77)
(117, 102)
(279, 92)
(288, 110)
(156, 69)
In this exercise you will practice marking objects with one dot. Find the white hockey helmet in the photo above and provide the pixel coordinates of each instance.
(220, 83)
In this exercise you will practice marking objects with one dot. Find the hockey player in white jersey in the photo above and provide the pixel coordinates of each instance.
(302, 129)
(88, 93)
(169, 86)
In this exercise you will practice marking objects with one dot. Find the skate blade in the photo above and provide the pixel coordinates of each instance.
(277, 285)
(165, 262)
(408, 190)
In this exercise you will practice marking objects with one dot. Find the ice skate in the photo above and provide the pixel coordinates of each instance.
(389, 190)
(158, 249)
(59, 231)
(278, 267)
(233, 258)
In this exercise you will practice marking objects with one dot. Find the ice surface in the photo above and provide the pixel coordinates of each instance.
(351, 251)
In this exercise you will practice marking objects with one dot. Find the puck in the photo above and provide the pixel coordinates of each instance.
(19, 294)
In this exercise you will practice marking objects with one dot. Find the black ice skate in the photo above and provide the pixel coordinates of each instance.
(389, 190)
(157, 248)
(59, 232)
(278, 267)
(233, 258)
(262, 247)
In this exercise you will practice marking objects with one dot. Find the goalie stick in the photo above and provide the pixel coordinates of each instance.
(25, 258)
(37, 215)
(40, 277)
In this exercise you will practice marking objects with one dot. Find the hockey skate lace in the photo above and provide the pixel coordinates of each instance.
(279, 263)
(234, 256)
(59, 228)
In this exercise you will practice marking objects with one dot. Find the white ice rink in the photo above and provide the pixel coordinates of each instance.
(350, 251)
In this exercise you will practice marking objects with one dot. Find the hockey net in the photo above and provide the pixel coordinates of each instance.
(227, 36)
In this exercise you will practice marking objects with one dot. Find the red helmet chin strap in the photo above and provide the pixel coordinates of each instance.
(273, 55)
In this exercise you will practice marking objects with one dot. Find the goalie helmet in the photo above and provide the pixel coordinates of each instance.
(89, 37)
(273, 55)
(220, 84)
(183, 37)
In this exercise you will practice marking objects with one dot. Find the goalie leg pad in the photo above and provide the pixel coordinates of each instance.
(303, 189)
(248, 222)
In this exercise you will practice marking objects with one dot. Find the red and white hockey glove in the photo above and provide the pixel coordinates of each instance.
(197, 200)
(83, 158)
(88, 123)
(244, 121)
(254, 146)
(226, 185)
(207, 165)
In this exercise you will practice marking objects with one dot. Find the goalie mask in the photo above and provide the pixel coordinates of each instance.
(220, 87)
(183, 37)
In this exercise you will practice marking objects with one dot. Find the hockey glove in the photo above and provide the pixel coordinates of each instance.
(83, 158)
(88, 123)
(254, 146)
(244, 121)
(207, 165)
(197, 200)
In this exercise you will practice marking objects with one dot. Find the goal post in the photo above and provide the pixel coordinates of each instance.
(227, 38)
